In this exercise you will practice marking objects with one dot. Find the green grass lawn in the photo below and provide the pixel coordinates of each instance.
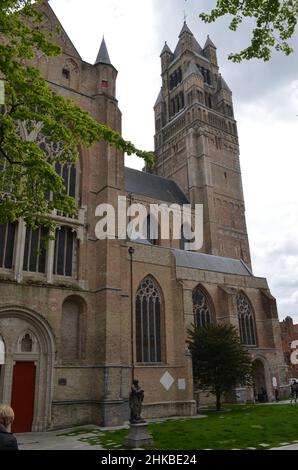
(242, 427)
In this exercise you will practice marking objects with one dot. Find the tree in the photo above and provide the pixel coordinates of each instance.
(219, 361)
(274, 24)
(38, 128)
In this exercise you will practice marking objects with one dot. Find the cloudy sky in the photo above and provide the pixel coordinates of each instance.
(266, 108)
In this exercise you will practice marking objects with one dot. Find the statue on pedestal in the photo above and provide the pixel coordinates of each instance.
(136, 398)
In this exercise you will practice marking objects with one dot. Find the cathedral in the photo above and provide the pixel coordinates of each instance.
(83, 317)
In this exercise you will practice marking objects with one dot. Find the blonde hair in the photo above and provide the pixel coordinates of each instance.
(6, 415)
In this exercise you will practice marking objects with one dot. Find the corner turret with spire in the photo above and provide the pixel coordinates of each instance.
(107, 73)
(210, 51)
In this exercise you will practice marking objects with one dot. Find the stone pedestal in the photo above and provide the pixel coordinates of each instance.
(138, 436)
(240, 395)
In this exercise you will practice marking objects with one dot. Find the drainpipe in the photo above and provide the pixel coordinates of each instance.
(132, 339)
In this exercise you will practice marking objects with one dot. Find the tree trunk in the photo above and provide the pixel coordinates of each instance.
(218, 396)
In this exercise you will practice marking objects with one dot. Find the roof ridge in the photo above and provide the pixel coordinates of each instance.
(153, 174)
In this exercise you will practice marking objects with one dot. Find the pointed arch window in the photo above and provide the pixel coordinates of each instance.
(67, 171)
(148, 322)
(65, 252)
(246, 321)
(7, 244)
(27, 343)
(35, 250)
(201, 308)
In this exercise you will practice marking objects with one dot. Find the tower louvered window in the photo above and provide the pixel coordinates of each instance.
(175, 78)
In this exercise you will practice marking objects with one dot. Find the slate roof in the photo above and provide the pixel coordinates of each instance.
(189, 259)
(193, 69)
(185, 29)
(166, 49)
(209, 42)
(103, 55)
(195, 46)
(222, 84)
(155, 187)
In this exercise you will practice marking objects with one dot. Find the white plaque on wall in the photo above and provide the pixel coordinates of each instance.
(181, 384)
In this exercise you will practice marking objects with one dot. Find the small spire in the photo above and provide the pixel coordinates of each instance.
(166, 49)
(185, 29)
(103, 55)
(209, 43)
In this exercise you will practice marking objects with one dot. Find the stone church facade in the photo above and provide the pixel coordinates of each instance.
(81, 318)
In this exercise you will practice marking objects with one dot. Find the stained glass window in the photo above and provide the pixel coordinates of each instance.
(148, 322)
(246, 321)
(201, 308)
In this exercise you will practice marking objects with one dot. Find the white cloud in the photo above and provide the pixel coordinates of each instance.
(129, 30)
(267, 132)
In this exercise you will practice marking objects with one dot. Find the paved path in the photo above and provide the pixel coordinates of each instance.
(54, 441)
(290, 447)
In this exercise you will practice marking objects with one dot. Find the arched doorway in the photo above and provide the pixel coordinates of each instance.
(259, 381)
(26, 379)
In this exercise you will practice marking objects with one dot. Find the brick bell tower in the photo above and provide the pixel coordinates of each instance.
(196, 142)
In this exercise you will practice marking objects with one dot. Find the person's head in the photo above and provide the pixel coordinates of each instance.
(6, 415)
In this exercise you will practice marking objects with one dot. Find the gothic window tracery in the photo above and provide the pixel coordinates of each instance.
(67, 171)
(148, 322)
(35, 250)
(27, 343)
(7, 244)
(246, 321)
(201, 308)
(65, 252)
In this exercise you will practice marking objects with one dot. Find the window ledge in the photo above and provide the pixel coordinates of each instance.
(157, 365)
